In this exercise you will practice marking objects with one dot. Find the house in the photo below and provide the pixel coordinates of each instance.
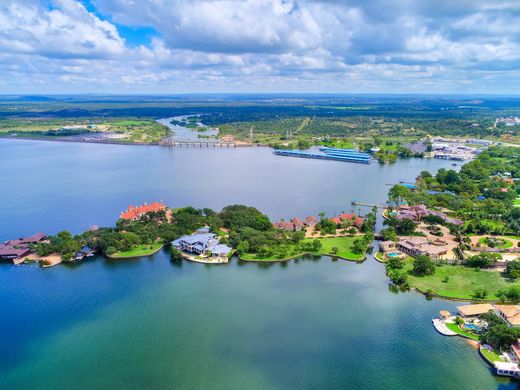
(134, 213)
(353, 218)
(86, 251)
(311, 221)
(297, 224)
(418, 212)
(15, 250)
(387, 246)
(515, 351)
(416, 246)
(202, 243)
(509, 313)
(473, 311)
(287, 226)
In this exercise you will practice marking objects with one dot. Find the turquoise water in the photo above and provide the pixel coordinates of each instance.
(151, 323)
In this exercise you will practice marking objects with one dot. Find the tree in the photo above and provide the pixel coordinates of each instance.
(316, 245)
(175, 254)
(480, 293)
(389, 234)
(423, 266)
(513, 269)
(482, 260)
(358, 246)
(511, 294)
(334, 250)
(243, 247)
(405, 226)
(395, 263)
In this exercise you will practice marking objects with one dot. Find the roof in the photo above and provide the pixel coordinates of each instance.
(511, 312)
(220, 249)
(133, 212)
(8, 250)
(473, 310)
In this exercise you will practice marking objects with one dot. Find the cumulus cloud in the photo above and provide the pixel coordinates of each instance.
(261, 45)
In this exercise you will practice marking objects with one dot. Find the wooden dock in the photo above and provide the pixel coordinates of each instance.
(356, 203)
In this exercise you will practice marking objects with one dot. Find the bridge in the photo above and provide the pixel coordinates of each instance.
(198, 144)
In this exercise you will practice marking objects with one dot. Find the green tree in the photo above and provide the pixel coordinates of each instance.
(423, 266)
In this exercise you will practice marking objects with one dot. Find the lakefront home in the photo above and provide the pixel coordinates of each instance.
(355, 221)
(15, 250)
(416, 246)
(418, 212)
(134, 213)
(296, 224)
(202, 243)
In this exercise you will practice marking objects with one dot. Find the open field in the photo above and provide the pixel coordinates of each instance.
(288, 252)
(138, 251)
(458, 281)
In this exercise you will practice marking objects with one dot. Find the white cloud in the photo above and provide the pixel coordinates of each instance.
(261, 45)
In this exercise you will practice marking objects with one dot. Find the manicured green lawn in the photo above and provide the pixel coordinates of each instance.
(138, 251)
(491, 355)
(505, 245)
(344, 245)
(516, 202)
(287, 252)
(462, 281)
(455, 328)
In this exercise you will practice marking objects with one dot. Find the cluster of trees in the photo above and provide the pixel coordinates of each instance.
(509, 294)
(423, 266)
(63, 243)
(395, 271)
(483, 260)
(476, 192)
(497, 333)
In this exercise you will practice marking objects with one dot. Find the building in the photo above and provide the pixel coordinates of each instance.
(473, 311)
(134, 213)
(86, 251)
(418, 212)
(353, 218)
(202, 243)
(296, 224)
(387, 246)
(15, 250)
(509, 313)
(417, 246)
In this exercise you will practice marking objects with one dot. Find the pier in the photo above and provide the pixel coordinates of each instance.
(346, 155)
(356, 203)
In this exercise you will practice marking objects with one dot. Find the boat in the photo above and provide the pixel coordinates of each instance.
(454, 164)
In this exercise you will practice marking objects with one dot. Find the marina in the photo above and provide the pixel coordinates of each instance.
(347, 155)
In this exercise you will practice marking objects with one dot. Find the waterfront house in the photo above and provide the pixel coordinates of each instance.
(311, 221)
(416, 246)
(202, 243)
(353, 218)
(473, 311)
(509, 313)
(418, 212)
(134, 213)
(86, 251)
(297, 224)
(387, 246)
(15, 250)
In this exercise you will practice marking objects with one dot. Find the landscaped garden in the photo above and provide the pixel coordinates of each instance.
(495, 242)
(455, 328)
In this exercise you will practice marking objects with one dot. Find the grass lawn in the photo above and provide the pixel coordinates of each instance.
(287, 252)
(138, 251)
(344, 245)
(505, 245)
(455, 328)
(462, 281)
(516, 202)
(491, 355)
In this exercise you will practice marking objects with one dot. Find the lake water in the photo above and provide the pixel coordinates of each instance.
(182, 133)
(151, 323)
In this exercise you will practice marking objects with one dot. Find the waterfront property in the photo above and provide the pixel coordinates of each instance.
(202, 243)
(510, 314)
(418, 212)
(296, 224)
(86, 251)
(348, 218)
(416, 246)
(16, 250)
(134, 213)
(473, 311)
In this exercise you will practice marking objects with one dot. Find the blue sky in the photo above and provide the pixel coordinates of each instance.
(185, 46)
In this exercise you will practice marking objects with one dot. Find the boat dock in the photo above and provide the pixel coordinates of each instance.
(346, 155)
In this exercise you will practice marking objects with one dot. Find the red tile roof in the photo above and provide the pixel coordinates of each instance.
(136, 212)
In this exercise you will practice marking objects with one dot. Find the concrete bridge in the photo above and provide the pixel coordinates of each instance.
(198, 144)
